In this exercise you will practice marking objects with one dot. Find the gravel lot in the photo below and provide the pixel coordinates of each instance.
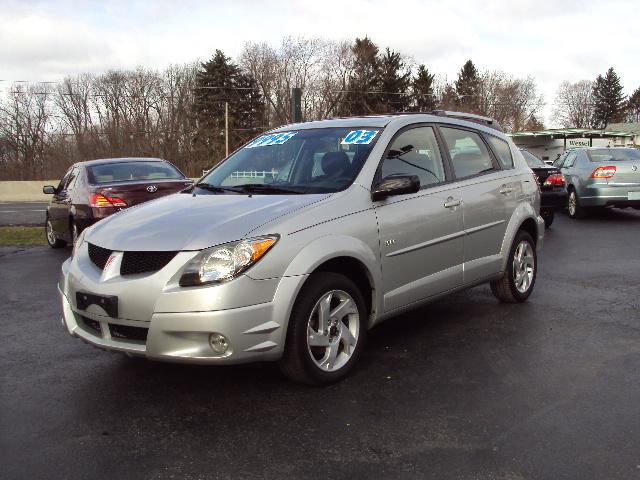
(465, 388)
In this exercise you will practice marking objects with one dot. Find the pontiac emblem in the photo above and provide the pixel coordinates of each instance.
(152, 188)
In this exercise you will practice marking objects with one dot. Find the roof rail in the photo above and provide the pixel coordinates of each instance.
(471, 117)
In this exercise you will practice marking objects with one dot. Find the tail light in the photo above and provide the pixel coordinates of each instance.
(555, 180)
(98, 200)
(604, 172)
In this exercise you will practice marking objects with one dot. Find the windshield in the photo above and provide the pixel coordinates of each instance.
(131, 171)
(532, 160)
(606, 155)
(319, 160)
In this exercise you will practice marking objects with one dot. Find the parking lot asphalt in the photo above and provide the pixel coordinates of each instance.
(464, 388)
(23, 213)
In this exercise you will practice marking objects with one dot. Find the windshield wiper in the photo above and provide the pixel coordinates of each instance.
(265, 188)
(215, 188)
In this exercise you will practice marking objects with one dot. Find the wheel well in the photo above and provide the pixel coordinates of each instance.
(530, 226)
(356, 271)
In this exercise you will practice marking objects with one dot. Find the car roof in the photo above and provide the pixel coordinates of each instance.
(102, 161)
(380, 121)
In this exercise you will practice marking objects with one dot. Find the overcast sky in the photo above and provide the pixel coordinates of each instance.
(550, 40)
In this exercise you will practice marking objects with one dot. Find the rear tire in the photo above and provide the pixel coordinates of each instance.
(518, 280)
(50, 234)
(327, 330)
(548, 218)
(574, 208)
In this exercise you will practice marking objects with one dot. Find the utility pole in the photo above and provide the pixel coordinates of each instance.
(226, 129)
(296, 105)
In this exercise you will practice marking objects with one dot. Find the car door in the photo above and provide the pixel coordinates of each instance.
(61, 202)
(568, 168)
(489, 198)
(420, 233)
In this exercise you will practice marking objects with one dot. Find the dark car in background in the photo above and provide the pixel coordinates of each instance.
(92, 190)
(553, 187)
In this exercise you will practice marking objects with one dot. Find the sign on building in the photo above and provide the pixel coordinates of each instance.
(577, 142)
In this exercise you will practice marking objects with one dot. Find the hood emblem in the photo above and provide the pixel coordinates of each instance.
(152, 188)
(634, 168)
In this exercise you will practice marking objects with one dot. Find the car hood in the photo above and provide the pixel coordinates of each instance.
(185, 222)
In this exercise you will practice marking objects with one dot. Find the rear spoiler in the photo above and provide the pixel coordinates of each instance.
(471, 117)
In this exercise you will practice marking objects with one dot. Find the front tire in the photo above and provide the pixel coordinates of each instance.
(327, 330)
(50, 234)
(517, 283)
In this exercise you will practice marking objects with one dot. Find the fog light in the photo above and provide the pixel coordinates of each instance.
(219, 343)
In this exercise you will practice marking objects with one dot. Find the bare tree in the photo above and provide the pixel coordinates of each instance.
(513, 102)
(574, 103)
(25, 121)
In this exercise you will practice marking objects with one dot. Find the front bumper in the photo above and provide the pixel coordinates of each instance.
(255, 332)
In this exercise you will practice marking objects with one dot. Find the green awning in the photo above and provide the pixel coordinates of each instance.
(572, 133)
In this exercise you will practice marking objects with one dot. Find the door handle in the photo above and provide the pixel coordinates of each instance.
(505, 190)
(452, 203)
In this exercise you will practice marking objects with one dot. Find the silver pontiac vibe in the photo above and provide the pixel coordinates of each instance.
(298, 243)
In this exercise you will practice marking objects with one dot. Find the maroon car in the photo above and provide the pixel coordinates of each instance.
(93, 190)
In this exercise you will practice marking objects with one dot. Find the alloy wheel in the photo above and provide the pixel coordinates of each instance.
(333, 330)
(572, 203)
(51, 236)
(523, 266)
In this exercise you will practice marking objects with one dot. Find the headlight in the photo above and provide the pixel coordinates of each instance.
(225, 262)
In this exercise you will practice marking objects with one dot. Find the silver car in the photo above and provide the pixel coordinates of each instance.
(601, 177)
(298, 243)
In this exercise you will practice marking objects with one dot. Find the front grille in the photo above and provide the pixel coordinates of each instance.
(99, 255)
(126, 332)
(92, 325)
(144, 262)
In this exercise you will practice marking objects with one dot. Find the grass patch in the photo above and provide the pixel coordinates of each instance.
(22, 236)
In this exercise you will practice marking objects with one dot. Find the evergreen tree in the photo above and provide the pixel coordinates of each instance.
(633, 106)
(468, 87)
(394, 83)
(221, 81)
(365, 79)
(609, 102)
(422, 91)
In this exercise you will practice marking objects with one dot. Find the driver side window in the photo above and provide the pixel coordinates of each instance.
(570, 160)
(415, 152)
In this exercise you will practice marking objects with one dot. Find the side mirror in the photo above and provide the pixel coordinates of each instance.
(395, 185)
(49, 189)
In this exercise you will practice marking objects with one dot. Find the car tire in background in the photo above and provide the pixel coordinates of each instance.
(574, 208)
(322, 353)
(518, 280)
(548, 218)
(50, 235)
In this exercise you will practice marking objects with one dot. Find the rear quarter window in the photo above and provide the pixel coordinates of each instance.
(502, 151)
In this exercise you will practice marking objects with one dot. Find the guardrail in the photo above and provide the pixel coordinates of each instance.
(25, 191)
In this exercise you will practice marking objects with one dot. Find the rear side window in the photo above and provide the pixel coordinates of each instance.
(128, 171)
(502, 151)
(607, 155)
(469, 154)
(415, 152)
(532, 160)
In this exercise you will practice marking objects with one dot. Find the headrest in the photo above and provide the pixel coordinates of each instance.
(333, 163)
